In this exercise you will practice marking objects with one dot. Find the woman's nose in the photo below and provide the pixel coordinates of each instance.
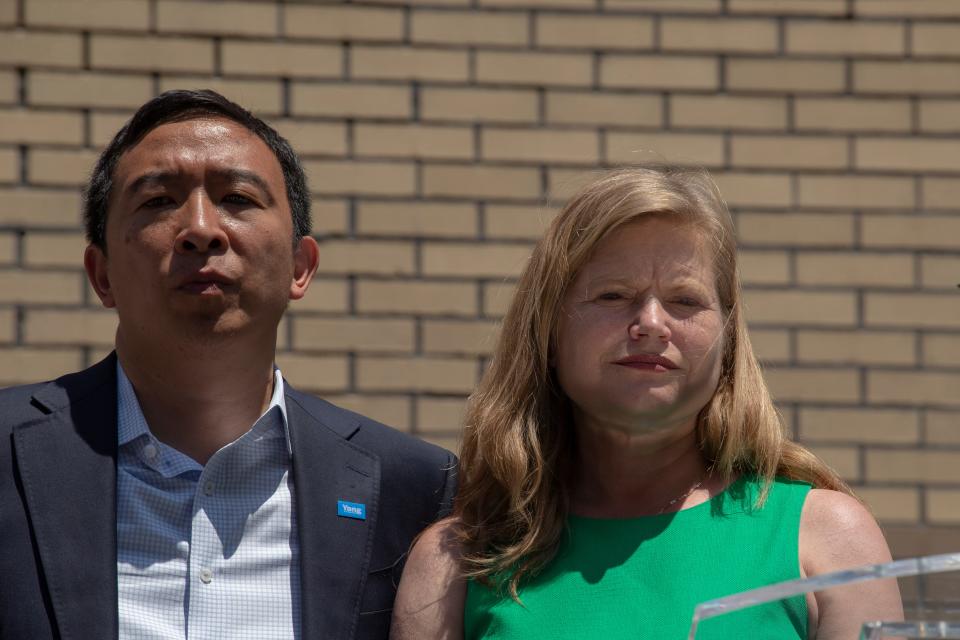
(650, 321)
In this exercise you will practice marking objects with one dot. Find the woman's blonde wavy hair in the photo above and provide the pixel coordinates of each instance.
(518, 440)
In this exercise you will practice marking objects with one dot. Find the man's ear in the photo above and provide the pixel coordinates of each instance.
(306, 259)
(95, 264)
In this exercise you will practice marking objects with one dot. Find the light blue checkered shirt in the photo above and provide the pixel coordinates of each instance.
(206, 551)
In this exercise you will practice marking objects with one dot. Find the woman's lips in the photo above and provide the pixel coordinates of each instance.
(648, 362)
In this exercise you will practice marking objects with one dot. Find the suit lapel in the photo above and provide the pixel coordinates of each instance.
(67, 466)
(334, 550)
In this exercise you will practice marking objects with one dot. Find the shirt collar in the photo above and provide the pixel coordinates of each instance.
(131, 424)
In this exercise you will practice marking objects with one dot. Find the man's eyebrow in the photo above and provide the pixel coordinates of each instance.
(150, 178)
(156, 178)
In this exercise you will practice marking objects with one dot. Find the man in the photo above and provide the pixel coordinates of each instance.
(180, 488)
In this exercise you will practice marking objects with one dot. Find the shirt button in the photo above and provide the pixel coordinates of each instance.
(150, 451)
(206, 576)
(209, 488)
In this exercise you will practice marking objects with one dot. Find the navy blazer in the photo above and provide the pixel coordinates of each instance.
(58, 529)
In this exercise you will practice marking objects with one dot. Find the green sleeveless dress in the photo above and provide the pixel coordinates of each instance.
(641, 578)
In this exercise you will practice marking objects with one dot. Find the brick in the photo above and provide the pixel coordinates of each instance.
(403, 63)
(366, 256)
(941, 350)
(856, 347)
(350, 100)
(38, 287)
(347, 177)
(540, 69)
(220, 18)
(943, 505)
(726, 35)
(9, 165)
(856, 192)
(940, 116)
(70, 326)
(8, 248)
(105, 125)
(764, 267)
(930, 232)
(481, 181)
(942, 427)
(549, 4)
(728, 112)
(780, 152)
(438, 375)
(516, 221)
(785, 75)
(467, 337)
(8, 326)
(330, 216)
(314, 373)
(801, 308)
(813, 385)
(940, 193)
(20, 365)
(568, 107)
(474, 260)
(8, 14)
(855, 425)
(770, 345)
(913, 310)
(282, 59)
(789, 7)
(30, 49)
(431, 3)
(540, 145)
(412, 140)
(39, 208)
(354, 334)
(60, 167)
(9, 87)
(21, 126)
(343, 22)
(843, 460)
(906, 8)
(563, 183)
(845, 38)
(905, 77)
(94, 14)
(471, 105)
(754, 190)
(891, 505)
(54, 249)
(497, 297)
(441, 414)
(796, 229)
(88, 89)
(416, 297)
(468, 28)
(659, 72)
(935, 39)
(324, 295)
(940, 272)
(594, 32)
(848, 269)
(682, 148)
(913, 387)
(852, 114)
(911, 466)
(669, 6)
(902, 154)
(263, 97)
(417, 219)
(391, 410)
(148, 53)
(322, 138)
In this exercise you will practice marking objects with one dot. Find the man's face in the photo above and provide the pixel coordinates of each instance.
(199, 235)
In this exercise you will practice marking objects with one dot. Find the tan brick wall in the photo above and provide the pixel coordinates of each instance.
(441, 135)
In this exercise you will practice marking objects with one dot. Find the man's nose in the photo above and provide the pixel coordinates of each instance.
(201, 230)
(650, 321)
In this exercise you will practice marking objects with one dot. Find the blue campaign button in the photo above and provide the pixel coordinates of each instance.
(351, 510)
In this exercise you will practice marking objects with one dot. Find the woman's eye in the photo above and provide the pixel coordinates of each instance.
(612, 297)
(687, 301)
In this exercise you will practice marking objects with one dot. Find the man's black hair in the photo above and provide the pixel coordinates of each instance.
(178, 106)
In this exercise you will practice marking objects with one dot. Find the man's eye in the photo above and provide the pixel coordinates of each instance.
(237, 198)
(157, 202)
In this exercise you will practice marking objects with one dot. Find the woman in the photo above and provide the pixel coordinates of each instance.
(622, 459)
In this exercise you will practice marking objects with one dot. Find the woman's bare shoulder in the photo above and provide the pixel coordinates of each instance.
(432, 590)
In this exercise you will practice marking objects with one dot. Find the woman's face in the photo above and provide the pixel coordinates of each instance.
(640, 336)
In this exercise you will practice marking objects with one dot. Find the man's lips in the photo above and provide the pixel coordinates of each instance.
(205, 281)
(647, 362)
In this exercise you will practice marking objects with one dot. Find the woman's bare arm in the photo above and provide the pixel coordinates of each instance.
(837, 532)
(432, 592)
